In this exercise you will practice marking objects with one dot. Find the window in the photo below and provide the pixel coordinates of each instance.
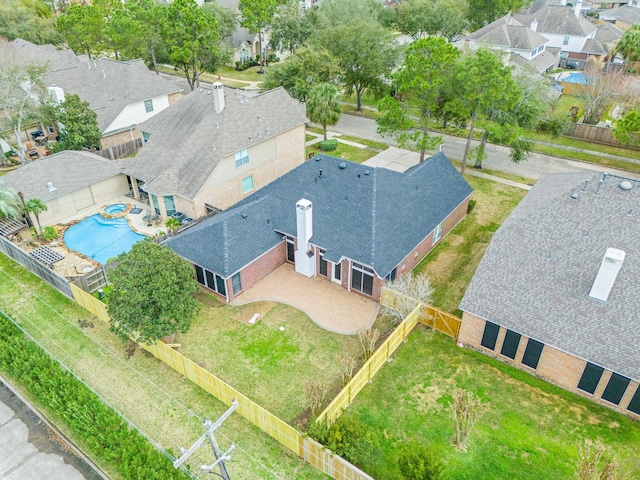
(532, 353)
(362, 279)
(236, 283)
(416, 253)
(169, 205)
(490, 335)
(242, 157)
(634, 404)
(210, 280)
(565, 40)
(337, 271)
(323, 264)
(437, 234)
(247, 184)
(148, 106)
(154, 199)
(291, 252)
(145, 137)
(615, 388)
(510, 344)
(590, 378)
(534, 51)
(540, 48)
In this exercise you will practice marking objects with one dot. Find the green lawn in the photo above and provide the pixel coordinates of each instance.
(267, 364)
(248, 75)
(161, 402)
(531, 430)
(367, 100)
(353, 154)
(452, 263)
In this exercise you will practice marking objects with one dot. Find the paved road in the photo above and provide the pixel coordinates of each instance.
(30, 450)
(497, 156)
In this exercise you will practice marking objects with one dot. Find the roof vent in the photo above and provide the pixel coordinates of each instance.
(318, 159)
(626, 185)
(367, 172)
(609, 268)
(50, 187)
(342, 165)
(243, 215)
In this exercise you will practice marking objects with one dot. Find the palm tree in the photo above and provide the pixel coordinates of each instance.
(629, 47)
(323, 105)
(9, 203)
(35, 206)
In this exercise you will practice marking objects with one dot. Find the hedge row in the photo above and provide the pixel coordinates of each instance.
(107, 436)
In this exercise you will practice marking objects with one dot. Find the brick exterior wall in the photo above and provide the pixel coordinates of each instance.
(555, 366)
(174, 97)
(259, 269)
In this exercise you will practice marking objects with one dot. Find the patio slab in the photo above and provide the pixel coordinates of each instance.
(328, 304)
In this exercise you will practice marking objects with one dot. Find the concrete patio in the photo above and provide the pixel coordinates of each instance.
(328, 304)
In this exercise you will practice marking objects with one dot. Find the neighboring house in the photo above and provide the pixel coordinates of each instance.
(215, 147)
(349, 223)
(519, 44)
(623, 17)
(68, 183)
(556, 293)
(123, 94)
(565, 28)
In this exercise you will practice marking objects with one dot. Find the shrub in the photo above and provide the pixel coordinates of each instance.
(554, 126)
(49, 233)
(417, 462)
(329, 145)
(272, 58)
(471, 206)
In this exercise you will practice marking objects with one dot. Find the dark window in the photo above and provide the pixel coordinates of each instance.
(291, 253)
(236, 283)
(532, 353)
(590, 378)
(323, 264)
(634, 404)
(615, 388)
(362, 279)
(199, 275)
(337, 272)
(510, 344)
(211, 283)
(222, 289)
(367, 284)
(392, 276)
(490, 335)
(356, 280)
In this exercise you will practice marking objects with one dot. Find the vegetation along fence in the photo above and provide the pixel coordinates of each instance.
(92, 281)
(40, 269)
(305, 447)
(431, 316)
(592, 133)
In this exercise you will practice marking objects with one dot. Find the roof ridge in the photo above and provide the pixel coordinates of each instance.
(225, 245)
(374, 198)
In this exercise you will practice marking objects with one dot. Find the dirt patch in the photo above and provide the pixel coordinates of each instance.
(440, 268)
(426, 398)
(301, 422)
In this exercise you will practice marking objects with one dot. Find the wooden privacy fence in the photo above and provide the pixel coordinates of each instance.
(307, 448)
(431, 316)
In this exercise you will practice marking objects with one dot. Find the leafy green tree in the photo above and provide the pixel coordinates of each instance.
(323, 105)
(82, 27)
(192, 33)
(364, 49)
(29, 20)
(308, 67)
(627, 129)
(418, 83)
(257, 15)
(483, 83)
(417, 462)
(482, 12)
(629, 46)
(35, 206)
(450, 18)
(153, 293)
(20, 88)
(291, 27)
(77, 124)
(226, 18)
(415, 18)
(9, 203)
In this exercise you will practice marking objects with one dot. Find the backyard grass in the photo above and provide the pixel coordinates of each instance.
(353, 154)
(530, 431)
(367, 100)
(271, 360)
(452, 263)
(248, 75)
(158, 400)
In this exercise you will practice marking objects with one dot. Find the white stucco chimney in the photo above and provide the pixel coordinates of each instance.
(534, 25)
(609, 268)
(56, 93)
(218, 97)
(578, 8)
(304, 258)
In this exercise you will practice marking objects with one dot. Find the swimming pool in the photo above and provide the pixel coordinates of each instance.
(580, 78)
(101, 238)
(115, 208)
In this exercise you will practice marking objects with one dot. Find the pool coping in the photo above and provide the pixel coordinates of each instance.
(123, 213)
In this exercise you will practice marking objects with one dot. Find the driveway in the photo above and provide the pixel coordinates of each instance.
(328, 304)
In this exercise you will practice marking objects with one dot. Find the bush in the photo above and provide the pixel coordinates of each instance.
(471, 206)
(329, 145)
(272, 58)
(106, 435)
(554, 126)
(49, 233)
(417, 462)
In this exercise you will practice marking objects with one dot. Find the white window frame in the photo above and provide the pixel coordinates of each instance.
(437, 234)
(242, 157)
(148, 105)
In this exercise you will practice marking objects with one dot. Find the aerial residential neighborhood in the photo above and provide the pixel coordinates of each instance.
(348, 239)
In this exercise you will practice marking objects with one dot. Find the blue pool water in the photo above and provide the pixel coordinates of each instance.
(580, 78)
(115, 208)
(100, 238)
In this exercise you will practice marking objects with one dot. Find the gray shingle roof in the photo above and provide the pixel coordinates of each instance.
(536, 275)
(68, 171)
(371, 215)
(108, 85)
(179, 156)
(508, 32)
(594, 47)
(557, 19)
(608, 33)
(626, 13)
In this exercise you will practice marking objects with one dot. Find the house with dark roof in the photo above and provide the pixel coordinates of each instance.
(215, 147)
(352, 224)
(69, 183)
(556, 293)
(123, 94)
